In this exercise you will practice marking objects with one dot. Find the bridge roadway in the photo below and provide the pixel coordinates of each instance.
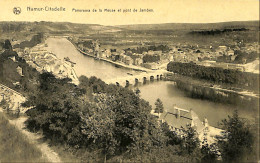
(133, 79)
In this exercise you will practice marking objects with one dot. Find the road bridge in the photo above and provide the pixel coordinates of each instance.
(134, 79)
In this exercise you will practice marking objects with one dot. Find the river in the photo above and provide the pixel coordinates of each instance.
(165, 90)
(85, 65)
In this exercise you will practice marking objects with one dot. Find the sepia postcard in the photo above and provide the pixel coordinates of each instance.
(129, 81)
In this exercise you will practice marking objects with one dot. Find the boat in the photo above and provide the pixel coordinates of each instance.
(68, 60)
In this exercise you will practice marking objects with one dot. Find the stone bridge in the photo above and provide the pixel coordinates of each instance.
(139, 78)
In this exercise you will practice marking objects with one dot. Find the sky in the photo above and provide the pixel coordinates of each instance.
(164, 11)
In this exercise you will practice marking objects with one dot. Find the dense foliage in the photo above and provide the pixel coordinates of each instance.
(245, 57)
(9, 74)
(87, 44)
(36, 39)
(113, 119)
(151, 58)
(202, 90)
(215, 74)
(237, 141)
(158, 106)
(217, 31)
(140, 50)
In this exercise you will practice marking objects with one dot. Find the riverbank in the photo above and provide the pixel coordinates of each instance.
(40, 58)
(131, 67)
(216, 93)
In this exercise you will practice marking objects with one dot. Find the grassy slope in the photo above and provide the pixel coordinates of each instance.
(14, 146)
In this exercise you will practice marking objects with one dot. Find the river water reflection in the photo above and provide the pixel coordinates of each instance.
(165, 90)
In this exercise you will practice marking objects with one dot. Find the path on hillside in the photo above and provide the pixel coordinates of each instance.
(35, 139)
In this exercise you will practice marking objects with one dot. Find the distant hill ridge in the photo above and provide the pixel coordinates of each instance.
(65, 26)
(193, 26)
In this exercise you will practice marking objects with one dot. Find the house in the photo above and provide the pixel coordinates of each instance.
(26, 50)
(232, 57)
(12, 58)
(102, 54)
(179, 118)
(230, 52)
(80, 46)
(19, 70)
(108, 53)
(138, 61)
(115, 56)
(128, 60)
(222, 48)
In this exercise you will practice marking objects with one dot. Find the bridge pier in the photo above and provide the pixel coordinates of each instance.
(136, 81)
(151, 78)
(140, 78)
(144, 80)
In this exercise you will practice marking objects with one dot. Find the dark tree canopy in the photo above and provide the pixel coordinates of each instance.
(7, 45)
(237, 141)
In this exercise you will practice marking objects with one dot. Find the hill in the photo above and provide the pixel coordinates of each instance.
(192, 26)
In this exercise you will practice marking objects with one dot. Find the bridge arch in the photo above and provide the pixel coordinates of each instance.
(136, 80)
(144, 79)
(151, 78)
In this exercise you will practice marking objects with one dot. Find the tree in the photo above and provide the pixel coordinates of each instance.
(137, 92)
(57, 114)
(237, 140)
(7, 45)
(190, 141)
(172, 137)
(99, 125)
(209, 152)
(158, 106)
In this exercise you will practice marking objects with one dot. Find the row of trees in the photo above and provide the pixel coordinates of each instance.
(204, 92)
(217, 31)
(216, 74)
(140, 50)
(151, 58)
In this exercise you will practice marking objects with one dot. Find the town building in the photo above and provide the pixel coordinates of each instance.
(178, 119)
(19, 70)
(128, 60)
(138, 61)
